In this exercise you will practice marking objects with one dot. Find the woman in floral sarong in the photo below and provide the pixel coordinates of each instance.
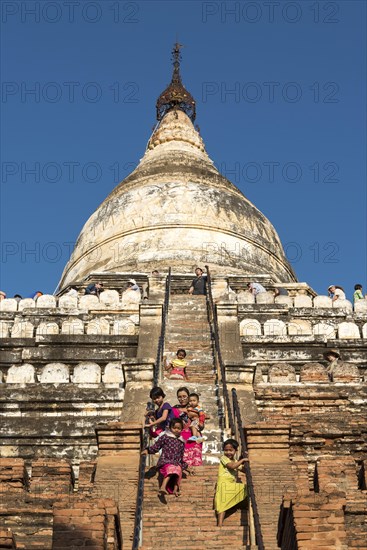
(193, 451)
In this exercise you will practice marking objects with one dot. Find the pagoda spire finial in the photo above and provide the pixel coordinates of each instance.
(176, 60)
(175, 96)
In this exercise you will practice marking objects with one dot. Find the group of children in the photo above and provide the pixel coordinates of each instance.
(159, 420)
(166, 424)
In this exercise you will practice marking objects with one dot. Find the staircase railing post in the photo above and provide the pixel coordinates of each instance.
(251, 524)
(255, 521)
(158, 375)
(214, 321)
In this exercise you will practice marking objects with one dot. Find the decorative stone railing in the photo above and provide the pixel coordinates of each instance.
(37, 323)
(108, 300)
(86, 374)
(309, 373)
(300, 301)
(130, 300)
(251, 328)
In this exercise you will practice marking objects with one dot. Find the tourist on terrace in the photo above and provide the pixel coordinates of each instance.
(336, 293)
(332, 356)
(94, 289)
(255, 288)
(280, 291)
(229, 492)
(17, 297)
(2, 295)
(171, 463)
(358, 294)
(198, 285)
(131, 285)
(36, 295)
(193, 449)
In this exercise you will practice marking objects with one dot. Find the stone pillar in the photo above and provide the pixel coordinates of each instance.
(229, 333)
(156, 288)
(230, 344)
(220, 289)
(117, 471)
(272, 475)
(117, 438)
(150, 330)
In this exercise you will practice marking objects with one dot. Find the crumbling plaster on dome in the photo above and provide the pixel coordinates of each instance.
(170, 210)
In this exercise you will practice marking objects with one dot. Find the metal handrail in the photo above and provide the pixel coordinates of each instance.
(140, 496)
(247, 469)
(214, 317)
(143, 459)
(158, 362)
(236, 413)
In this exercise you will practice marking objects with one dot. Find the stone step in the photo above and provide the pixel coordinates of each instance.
(194, 508)
(189, 318)
(193, 341)
(187, 300)
(192, 353)
(200, 324)
(194, 337)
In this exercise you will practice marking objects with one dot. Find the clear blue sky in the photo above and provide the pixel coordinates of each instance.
(280, 93)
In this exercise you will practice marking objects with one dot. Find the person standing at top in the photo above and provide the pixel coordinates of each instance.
(336, 293)
(255, 288)
(131, 285)
(198, 285)
(332, 357)
(95, 289)
(358, 294)
(36, 295)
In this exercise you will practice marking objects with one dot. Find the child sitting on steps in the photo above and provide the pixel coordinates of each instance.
(177, 367)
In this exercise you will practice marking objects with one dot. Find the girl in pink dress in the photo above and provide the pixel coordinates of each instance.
(171, 463)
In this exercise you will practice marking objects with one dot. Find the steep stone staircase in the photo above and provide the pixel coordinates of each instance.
(188, 328)
(189, 521)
